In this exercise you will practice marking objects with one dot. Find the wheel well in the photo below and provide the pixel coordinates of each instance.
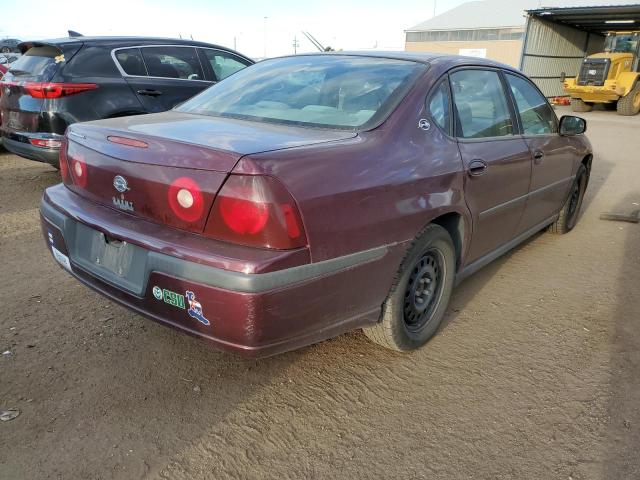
(586, 161)
(453, 223)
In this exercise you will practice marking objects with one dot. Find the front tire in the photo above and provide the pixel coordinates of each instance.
(416, 304)
(630, 104)
(571, 209)
(577, 105)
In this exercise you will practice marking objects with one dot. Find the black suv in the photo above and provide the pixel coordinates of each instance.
(59, 82)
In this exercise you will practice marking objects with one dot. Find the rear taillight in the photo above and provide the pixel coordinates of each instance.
(62, 160)
(185, 199)
(258, 211)
(78, 169)
(55, 90)
(45, 142)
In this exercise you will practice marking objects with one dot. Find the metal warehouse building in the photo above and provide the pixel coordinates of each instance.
(544, 41)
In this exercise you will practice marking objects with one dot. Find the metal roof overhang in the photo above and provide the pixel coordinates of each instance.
(597, 19)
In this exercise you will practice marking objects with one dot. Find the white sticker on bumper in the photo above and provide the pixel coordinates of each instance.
(61, 258)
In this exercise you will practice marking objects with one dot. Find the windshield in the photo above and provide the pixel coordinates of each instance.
(621, 43)
(329, 91)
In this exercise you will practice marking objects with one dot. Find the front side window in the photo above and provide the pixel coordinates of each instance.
(223, 64)
(536, 114)
(130, 60)
(173, 62)
(481, 105)
(439, 107)
(340, 91)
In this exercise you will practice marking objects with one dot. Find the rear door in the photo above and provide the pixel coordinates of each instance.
(496, 160)
(20, 111)
(553, 157)
(162, 76)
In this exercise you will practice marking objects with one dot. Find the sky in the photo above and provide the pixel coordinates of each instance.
(341, 24)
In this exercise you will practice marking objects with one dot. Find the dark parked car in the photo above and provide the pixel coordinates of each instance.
(8, 45)
(311, 195)
(59, 82)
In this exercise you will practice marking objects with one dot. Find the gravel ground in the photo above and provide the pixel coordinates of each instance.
(534, 376)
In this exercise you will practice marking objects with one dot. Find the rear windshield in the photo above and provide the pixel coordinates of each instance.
(338, 91)
(37, 64)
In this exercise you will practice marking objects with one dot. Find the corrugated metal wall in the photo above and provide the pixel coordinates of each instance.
(552, 48)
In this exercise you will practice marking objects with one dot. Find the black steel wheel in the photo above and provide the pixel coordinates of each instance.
(424, 290)
(570, 212)
(416, 304)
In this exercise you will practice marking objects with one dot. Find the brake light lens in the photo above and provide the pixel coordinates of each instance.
(62, 160)
(257, 211)
(185, 199)
(130, 142)
(78, 168)
(45, 142)
(55, 90)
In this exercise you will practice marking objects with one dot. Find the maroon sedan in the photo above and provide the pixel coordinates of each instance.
(310, 195)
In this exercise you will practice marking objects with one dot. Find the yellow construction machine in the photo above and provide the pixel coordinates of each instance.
(611, 77)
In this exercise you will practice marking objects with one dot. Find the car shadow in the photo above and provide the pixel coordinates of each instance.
(623, 412)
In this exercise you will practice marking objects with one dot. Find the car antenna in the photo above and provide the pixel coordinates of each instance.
(74, 34)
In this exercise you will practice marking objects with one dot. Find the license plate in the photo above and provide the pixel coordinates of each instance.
(593, 72)
(61, 258)
(114, 255)
(14, 121)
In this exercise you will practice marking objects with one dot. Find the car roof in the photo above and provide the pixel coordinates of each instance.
(421, 57)
(116, 42)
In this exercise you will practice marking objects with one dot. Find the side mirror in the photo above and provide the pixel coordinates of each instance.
(570, 125)
(563, 77)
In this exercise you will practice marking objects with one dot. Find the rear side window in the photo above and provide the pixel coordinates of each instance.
(223, 64)
(91, 61)
(172, 62)
(439, 106)
(37, 64)
(480, 104)
(536, 114)
(131, 62)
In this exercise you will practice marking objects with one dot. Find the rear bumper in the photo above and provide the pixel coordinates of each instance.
(251, 314)
(24, 149)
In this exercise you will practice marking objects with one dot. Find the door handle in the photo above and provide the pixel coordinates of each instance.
(477, 168)
(150, 93)
(538, 156)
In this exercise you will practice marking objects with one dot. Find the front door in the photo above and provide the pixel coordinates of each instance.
(497, 162)
(553, 157)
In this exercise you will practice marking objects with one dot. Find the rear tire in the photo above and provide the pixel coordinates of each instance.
(630, 103)
(418, 299)
(571, 209)
(577, 105)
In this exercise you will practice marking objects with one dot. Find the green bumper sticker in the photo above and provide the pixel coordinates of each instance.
(172, 298)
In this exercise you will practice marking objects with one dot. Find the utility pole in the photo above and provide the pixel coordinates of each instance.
(296, 44)
(434, 7)
(265, 38)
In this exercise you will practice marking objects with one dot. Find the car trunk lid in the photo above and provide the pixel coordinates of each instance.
(139, 164)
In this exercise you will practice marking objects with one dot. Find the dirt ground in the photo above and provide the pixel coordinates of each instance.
(534, 376)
